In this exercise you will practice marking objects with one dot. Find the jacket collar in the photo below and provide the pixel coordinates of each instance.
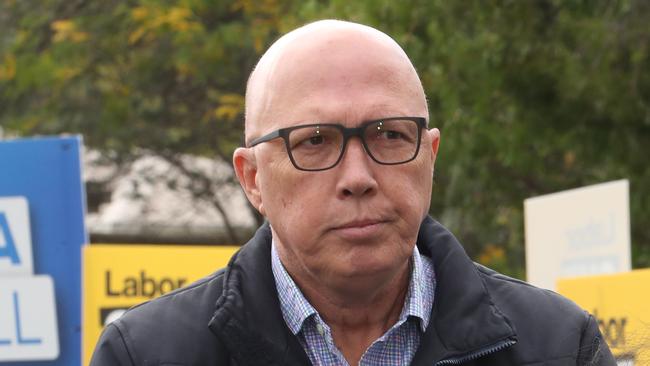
(248, 319)
(464, 320)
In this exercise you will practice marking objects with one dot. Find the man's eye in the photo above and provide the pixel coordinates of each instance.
(315, 140)
(394, 135)
(391, 135)
(309, 142)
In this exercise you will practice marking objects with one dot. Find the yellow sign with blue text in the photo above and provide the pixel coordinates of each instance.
(116, 277)
(621, 305)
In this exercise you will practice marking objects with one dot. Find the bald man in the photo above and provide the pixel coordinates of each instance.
(348, 269)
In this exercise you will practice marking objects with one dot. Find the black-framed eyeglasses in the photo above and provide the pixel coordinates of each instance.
(320, 146)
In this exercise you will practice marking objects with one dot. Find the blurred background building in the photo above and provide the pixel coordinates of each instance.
(153, 201)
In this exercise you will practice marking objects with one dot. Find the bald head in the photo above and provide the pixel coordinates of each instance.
(325, 57)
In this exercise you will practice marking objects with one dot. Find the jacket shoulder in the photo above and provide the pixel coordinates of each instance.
(166, 329)
(520, 296)
(546, 322)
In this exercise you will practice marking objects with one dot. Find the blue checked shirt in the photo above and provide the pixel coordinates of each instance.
(396, 347)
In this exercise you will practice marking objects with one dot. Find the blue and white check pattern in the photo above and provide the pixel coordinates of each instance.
(396, 347)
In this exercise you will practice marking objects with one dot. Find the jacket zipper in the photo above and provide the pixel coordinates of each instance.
(478, 354)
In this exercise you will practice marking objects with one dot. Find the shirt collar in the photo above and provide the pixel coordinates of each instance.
(296, 309)
(419, 298)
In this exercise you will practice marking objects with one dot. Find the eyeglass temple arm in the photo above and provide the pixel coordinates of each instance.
(265, 138)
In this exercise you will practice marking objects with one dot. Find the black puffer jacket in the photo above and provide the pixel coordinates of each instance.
(233, 317)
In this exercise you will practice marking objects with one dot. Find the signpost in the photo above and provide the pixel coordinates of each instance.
(577, 232)
(619, 302)
(117, 277)
(41, 234)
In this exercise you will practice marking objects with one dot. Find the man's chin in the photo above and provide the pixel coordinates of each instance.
(373, 269)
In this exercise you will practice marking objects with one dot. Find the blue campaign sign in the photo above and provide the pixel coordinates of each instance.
(9, 249)
(42, 206)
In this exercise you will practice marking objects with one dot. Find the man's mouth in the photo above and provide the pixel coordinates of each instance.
(360, 229)
(359, 224)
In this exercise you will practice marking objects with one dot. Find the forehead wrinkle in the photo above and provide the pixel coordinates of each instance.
(350, 116)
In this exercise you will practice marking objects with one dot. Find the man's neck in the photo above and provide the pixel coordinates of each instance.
(357, 317)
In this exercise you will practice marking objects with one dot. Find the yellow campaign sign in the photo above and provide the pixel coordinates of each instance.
(116, 277)
(621, 305)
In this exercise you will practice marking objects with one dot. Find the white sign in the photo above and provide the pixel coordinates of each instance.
(28, 322)
(582, 231)
(15, 237)
(28, 326)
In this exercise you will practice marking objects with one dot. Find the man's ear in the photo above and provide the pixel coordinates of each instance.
(245, 163)
(434, 133)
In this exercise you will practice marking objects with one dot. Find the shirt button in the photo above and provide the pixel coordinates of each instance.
(320, 329)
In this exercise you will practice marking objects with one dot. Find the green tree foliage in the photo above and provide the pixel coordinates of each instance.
(135, 78)
(532, 97)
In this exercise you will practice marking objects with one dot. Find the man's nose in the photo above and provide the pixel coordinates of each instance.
(356, 175)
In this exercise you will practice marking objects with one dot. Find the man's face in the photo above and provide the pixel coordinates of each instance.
(359, 219)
